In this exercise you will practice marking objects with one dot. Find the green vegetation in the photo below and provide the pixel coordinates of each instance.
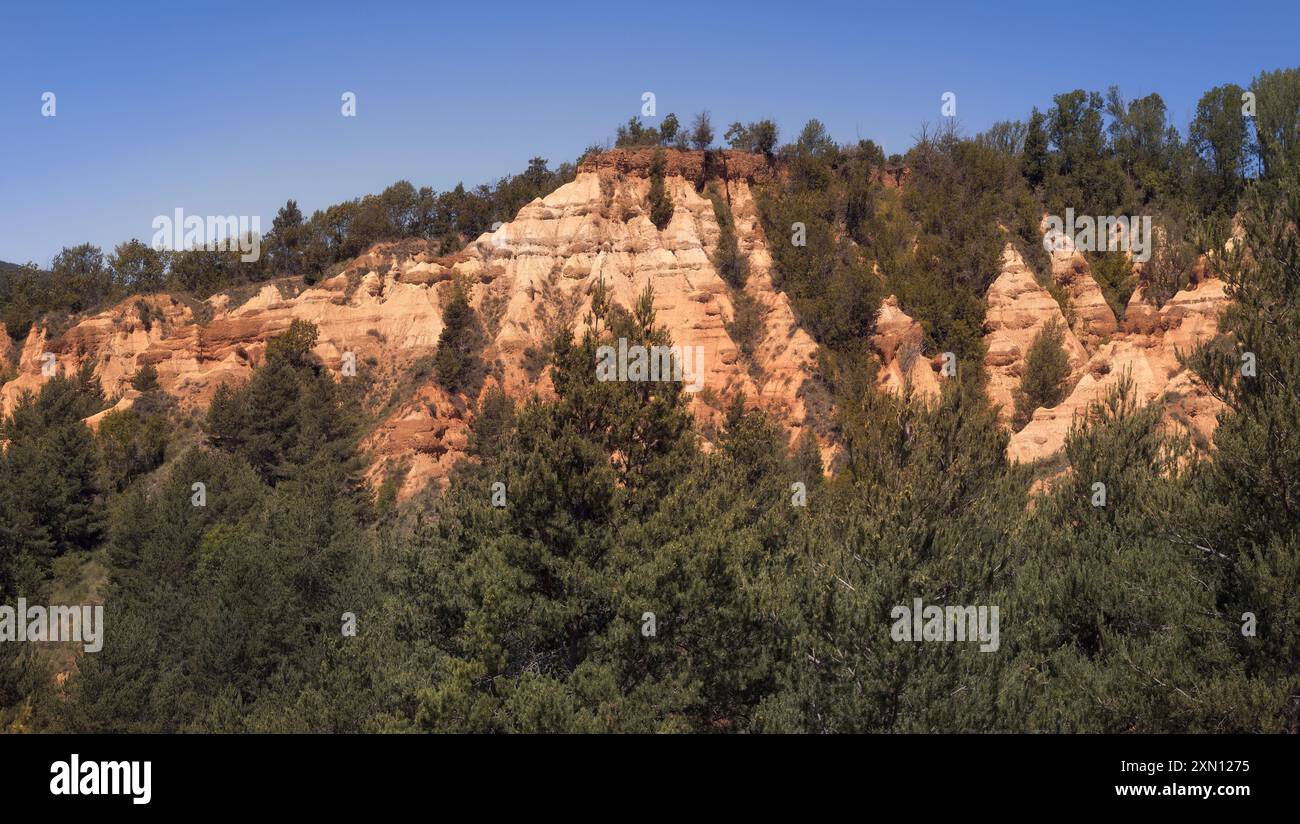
(131, 445)
(661, 205)
(50, 496)
(760, 137)
(634, 135)
(727, 259)
(82, 278)
(630, 580)
(456, 361)
(1113, 272)
(826, 274)
(746, 326)
(1046, 370)
(701, 131)
(290, 417)
(145, 379)
(1170, 268)
(961, 193)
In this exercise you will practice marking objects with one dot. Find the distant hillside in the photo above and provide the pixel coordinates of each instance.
(7, 269)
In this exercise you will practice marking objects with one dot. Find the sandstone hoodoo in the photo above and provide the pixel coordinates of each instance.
(1150, 356)
(1100, 352)
(899, 344)
(1018, 309)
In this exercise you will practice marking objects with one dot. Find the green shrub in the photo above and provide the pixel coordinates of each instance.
(746, 327)
(731, 265)
(1114, 275)
(661, 206)
(145, 378)
(456, 360)
(1046, 370)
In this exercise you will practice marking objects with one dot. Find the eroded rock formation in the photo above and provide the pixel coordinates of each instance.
(527, 279)
(1100, 351)
(533, 276)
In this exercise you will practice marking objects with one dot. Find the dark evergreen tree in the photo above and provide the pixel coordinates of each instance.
(456, 361)
(1046, 369)
(661, 205)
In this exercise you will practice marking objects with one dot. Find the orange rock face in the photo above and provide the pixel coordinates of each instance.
(1145, 347)
(1147, 352)
(1018, 309)
(531, 277)
(534, 275)
(527, 279)
(897, 342)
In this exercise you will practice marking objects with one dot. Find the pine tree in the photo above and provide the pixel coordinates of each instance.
(1249, 511)
(50, 469)
(492, 425)
(129, 445)
(661, 205)
(808, 458)
(1046, 369)
(455, 361)
(1035, 161)
(145, 379)
(581, 475)
(928, 516)
(1120, 623)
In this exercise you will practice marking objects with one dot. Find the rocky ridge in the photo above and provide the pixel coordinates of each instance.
(534, 275)
(526, 279)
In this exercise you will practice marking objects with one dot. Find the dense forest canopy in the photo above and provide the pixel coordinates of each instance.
(590, 567)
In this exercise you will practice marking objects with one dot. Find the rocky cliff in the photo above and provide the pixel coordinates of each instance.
(1100, 350)
(534, 275)
(526, 279)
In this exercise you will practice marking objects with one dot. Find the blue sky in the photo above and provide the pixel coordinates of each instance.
(231, 108)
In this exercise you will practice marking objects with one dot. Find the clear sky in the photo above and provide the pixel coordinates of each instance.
(231, 108)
